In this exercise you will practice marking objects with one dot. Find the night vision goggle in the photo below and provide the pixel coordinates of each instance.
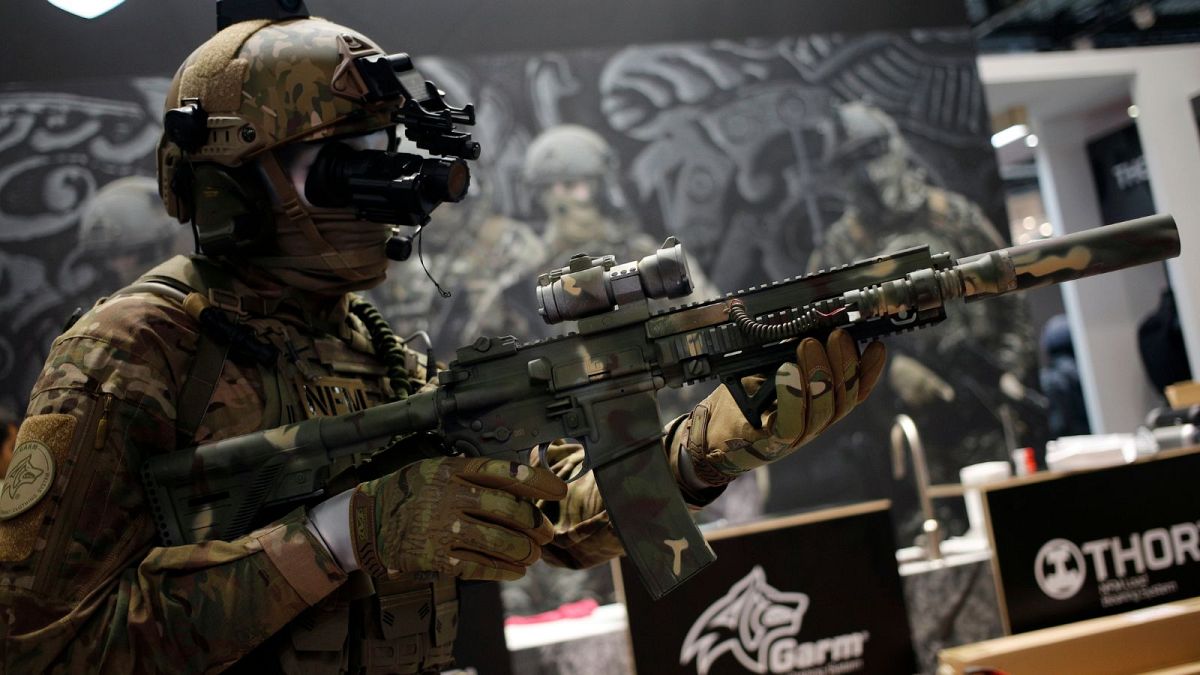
(396, 187)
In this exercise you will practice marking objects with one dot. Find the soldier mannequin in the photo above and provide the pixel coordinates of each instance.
(365, 580)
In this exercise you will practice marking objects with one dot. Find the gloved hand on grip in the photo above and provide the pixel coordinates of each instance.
(824, 384)
(471, 518)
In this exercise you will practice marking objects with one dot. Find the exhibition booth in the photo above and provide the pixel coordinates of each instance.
(1016, 496)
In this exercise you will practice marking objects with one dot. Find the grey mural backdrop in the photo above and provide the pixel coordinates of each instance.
(57, 149)
(767, 158)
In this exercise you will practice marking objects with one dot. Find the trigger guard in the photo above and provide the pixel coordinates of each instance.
(584, 470)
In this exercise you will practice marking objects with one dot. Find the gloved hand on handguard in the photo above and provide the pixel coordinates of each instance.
(821, 387)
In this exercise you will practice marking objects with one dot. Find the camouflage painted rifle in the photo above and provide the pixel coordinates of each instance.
(500, 398)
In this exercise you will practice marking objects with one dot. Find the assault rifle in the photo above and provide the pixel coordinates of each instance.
(501, 398)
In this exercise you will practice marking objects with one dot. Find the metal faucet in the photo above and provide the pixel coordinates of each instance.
(904, 428)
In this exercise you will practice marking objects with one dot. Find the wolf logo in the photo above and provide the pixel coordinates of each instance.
(745, 622)
(23, 473)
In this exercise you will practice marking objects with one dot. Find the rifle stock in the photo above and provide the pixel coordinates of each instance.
(500, 398)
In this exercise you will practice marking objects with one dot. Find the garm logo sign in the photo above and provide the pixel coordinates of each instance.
(759, 626)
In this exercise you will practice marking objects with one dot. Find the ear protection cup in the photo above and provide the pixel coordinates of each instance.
(230, 206)
(173, 187)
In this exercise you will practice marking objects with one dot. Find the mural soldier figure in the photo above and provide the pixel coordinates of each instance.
(125, 230)
(892, 206)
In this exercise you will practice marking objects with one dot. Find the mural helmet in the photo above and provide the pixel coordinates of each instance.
(126, 215)
(573, 172)
(865, 133)
(568, 152)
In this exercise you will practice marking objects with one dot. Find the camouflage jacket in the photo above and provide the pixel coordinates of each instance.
(85, 588)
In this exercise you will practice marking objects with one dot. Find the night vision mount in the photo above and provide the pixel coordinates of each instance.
(428, 120)
(395, 187)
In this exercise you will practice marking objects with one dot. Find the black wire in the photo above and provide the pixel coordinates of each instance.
(421, 258)
(807, 321)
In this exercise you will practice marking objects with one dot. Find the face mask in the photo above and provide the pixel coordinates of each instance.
(343, 256)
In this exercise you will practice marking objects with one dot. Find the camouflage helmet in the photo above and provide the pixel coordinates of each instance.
(568, 152)
(124, 215)
(263, 85)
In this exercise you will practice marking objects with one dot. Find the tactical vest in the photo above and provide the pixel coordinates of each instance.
(367, 626)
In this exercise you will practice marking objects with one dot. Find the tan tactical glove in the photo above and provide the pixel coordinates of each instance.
(470, 518)
(820, 388)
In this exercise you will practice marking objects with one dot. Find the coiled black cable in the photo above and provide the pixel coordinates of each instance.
(388, 346)
(757, 330)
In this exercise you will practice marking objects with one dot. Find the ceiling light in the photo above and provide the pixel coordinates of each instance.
(88, 9)
(1133, 111)
(1005, 136)
(1031, 140)
(1143, 16)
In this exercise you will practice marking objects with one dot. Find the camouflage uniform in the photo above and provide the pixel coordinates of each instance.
(83, 586)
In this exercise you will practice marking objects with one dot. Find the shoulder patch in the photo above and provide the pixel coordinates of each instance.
(29, 478)
(42, 447)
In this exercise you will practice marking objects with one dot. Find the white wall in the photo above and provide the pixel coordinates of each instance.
(1105, 310)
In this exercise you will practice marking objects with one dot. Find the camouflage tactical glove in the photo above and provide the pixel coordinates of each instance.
(469, 518)
(824, 384)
